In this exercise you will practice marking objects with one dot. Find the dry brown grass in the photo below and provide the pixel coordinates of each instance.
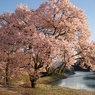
(42, 89)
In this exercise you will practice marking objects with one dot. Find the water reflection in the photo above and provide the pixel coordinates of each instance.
(90, 81)
(81, 80)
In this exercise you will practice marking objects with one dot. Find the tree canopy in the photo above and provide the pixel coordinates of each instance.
(34, 39)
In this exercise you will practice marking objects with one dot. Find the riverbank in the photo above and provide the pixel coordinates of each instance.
(50, 79)
(43, 89)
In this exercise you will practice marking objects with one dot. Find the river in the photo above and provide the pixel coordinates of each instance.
(80, 80)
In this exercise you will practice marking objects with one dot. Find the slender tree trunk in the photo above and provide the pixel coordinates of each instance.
(6, 72)
(5, 81)
(6, 75)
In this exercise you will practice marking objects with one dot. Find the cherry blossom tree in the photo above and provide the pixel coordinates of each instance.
(23, 45)
(36, 59)
(63, 52)
(86, 55)
(67, 23)
(31, 39)
(61, 18)
(11, 27)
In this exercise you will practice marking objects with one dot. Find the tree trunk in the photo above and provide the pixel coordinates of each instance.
(6, 72)
(32, 83)
(62, 67)
(5, 81)
(32, 80)
(6, 75)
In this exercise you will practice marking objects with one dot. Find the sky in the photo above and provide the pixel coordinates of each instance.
(87, 5)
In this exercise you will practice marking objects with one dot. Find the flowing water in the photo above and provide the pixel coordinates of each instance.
(80, 80)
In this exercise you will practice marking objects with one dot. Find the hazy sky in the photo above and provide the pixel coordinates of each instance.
(87, 5)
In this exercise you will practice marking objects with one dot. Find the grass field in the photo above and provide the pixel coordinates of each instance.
(42, 88)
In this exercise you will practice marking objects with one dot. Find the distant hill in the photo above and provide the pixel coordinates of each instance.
(78, 68)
